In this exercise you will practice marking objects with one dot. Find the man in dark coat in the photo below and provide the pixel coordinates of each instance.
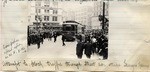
(88, 49)
(41, 38)
(80, 37)
(50, 36)
(38, 41)
(105, 50)
(55, 37)
(99, 43)
(63, 39)
(29, 40)
(79, 49)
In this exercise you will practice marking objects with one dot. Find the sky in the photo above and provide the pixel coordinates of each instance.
(73, 6)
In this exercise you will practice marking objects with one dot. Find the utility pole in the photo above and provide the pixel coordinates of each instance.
(103, 21)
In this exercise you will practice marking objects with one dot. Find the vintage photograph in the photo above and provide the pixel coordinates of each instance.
(75, 35)
(68, 30)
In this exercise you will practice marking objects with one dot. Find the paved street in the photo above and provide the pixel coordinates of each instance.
(49, 49)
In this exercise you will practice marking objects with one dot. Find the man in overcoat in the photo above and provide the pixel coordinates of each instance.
(79, 49)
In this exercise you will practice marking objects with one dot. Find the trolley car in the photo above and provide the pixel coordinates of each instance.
(70, 29)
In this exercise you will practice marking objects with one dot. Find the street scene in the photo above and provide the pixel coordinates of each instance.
(69, 30)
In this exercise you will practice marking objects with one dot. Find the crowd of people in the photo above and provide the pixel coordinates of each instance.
(87, 43)
(92, 43)
(38, 38)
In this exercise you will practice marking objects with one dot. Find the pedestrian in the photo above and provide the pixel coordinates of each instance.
(33, 39)
(41, 38)
(93, 44)
(80, 37)
(83, 37)
(88, 49)
(99, 43)
(63, 39)
(79, 49)
(55, 36)
(38, 41)
(105, 50)
(29, 40)
(50, 36)
(88, 38)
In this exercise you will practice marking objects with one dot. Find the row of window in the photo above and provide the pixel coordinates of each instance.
(47, 11)
(46, 4)
(46, 18)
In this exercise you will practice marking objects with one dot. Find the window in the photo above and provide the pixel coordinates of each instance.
(36, 17)
(54, 11)
(54, 18)
(38, 11)
(46, 5)
(51, 11)
(38, 4)
(46, 18)
(46, 11)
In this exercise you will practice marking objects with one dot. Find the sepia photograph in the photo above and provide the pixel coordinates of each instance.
(68, 30)
(75, 35)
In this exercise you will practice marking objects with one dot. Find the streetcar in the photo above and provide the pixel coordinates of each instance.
(70, 29)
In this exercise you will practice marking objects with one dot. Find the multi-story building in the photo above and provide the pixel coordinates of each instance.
(64, 15)
(46, 13)
(70, 15)
(83, 16)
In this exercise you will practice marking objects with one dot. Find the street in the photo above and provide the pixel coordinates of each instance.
(53, 50)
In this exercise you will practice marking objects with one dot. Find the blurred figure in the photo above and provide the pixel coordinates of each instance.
(88, 49)
(41, 38)
(63, 39)
(55, 36)
(82, 37)
(79, 49)
(29, 40)
(79, 37)
(104, 47)
(50, 36)
(105, 50)
(38, 41)
(99, 43)
(93, 44)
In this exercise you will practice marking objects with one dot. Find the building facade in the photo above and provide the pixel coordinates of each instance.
(83, 16)
(70, 15)
(46, 14)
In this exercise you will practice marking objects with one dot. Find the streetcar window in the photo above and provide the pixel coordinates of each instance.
(68, 27)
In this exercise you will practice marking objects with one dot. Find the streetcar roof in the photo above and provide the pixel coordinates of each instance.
(70, 23)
